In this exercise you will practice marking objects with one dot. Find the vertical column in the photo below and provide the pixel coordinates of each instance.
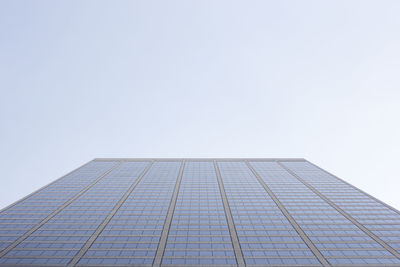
(101, 227)
(232, 230)
(322, 176)
(132, 235)
(77, 170)
(167, 225)
(57, 241)
(378, 217)
(337, 238)
(266, 237)
(298, 229)
(199, 233)
(346, 186)
(43, 205)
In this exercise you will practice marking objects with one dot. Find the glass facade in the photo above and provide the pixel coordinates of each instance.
(205, 212)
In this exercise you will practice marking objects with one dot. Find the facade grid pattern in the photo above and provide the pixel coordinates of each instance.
(204, 212)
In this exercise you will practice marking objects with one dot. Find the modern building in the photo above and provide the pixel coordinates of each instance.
(209, 212)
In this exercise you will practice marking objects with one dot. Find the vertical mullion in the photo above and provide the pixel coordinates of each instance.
(54, 213)
(31, 194)
(164, 234)
(101, 227)
(228, 214)
(356, 188)
(345, 214)
(289, 217)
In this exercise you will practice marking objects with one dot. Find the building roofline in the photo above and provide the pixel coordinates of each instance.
(199, 159)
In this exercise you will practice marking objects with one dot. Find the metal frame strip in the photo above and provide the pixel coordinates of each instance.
(232, 230)
(164, 234)
(377, 200)
(43, 187)
(345, 214)
(101, 227)
(292, 221)
(54, 213)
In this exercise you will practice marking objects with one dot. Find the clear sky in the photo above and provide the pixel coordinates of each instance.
(313, 79)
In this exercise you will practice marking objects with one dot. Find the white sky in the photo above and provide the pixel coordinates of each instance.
(312, 79)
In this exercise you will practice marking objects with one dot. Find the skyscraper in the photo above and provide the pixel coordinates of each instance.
(210, 212)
